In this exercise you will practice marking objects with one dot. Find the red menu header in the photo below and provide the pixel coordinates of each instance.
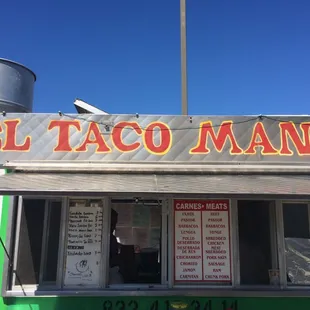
(201, 205)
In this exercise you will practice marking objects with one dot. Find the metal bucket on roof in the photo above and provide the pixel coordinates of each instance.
(16, 87)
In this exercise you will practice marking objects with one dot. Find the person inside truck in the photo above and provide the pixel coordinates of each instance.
(115, 276)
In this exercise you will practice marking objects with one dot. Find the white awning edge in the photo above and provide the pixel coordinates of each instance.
(175, 168)
(160, 184)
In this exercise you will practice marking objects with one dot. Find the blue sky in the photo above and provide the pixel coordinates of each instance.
(244, 57)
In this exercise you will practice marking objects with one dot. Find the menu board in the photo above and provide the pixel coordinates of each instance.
(83, 259)
(202, 241)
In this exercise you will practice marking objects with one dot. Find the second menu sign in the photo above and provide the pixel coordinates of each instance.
(83, 253)
(202, 241)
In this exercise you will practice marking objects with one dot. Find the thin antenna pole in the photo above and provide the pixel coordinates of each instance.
(183, 57)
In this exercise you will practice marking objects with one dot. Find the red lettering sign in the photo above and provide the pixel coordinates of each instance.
(94, 136)
(225, 132)
(10, 138)
(165, 138)
(117, 136)
(63, 144)
(288, 130)
(157, 138)
(260, 139)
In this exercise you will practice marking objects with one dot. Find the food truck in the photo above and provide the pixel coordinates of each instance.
(147, 212)
(154, 212)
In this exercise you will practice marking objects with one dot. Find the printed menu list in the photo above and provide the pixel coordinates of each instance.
(84, 236)
(202, 241)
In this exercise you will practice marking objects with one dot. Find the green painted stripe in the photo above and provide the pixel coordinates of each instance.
(3, 228)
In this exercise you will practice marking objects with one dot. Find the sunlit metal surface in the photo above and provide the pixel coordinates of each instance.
(185, 185)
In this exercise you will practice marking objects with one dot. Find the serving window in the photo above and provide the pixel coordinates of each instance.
(135, 244)
(297, 243)
(36, 250)
(77, 244)
(115, 244)
(257, 242)
(69, 243)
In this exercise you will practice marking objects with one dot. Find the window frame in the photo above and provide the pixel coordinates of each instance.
(46, 231)
(273, 227)
(167, 265)
(59, 287)
(15, 246)
(62, 237)
(9, 237)
(16, 229)
(164, 251)
(283, 271)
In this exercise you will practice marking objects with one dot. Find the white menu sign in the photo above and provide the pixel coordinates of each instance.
(202, 241)
(83, 260)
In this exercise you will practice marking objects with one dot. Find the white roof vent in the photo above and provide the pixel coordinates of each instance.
(83, 107)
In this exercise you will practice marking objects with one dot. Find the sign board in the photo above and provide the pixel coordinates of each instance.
(127, 138)
(202, 241)
(84, 246)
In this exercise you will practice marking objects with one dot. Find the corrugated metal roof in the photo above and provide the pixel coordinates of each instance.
(185, 185)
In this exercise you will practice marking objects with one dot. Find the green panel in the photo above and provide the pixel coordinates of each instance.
(153, 303)
(4, 220)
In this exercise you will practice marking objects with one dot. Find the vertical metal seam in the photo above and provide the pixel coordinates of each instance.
(273, 236)
(9, 241)
(17, 233)
(281, 243)
(164, 242)
(63, 243)
(44, 240)
(235, 243)
(170, 244)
